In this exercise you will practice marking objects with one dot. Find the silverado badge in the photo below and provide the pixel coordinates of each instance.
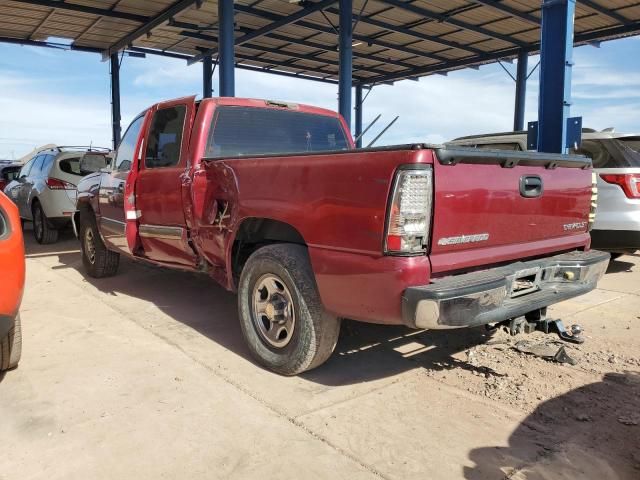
(478, 237)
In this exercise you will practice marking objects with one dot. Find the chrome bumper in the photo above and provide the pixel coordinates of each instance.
(510, 291)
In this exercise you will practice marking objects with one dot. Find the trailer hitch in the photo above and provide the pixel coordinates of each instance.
(536, 322)
(573, 335)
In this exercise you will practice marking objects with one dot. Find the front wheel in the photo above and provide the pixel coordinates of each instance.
(96, 258)
(11, 347)
(281, 315)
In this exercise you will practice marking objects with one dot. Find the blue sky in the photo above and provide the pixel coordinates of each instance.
(54, 96)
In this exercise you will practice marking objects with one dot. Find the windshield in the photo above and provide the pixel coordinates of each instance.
(612, 153)
(246, 131)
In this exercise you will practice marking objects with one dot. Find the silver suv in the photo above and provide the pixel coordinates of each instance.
(45, 189)
(616, 163)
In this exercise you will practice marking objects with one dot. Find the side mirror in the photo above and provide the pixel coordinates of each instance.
(92, 163)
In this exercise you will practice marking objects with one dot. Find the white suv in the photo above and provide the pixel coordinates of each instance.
(45, 189)
(616, 163)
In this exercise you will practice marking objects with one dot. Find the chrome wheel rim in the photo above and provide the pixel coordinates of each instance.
(89, 246)
(37, 223)
(273, 312)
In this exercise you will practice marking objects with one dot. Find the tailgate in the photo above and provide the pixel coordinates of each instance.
(492, 206)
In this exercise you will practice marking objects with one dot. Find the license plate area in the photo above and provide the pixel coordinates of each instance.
(525, 281)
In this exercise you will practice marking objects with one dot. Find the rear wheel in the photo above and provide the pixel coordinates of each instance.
(11, 347)
(96, 258)
(281, 315)
(43, 231)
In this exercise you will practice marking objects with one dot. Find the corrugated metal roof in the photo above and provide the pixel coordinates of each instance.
(393, 39)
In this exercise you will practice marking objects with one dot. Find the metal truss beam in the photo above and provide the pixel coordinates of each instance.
(312, 57)
(281, 22)
(512, 12)
(322, 29)
(181, 56)
(470, 62)
(419, 35)
(74, 7)
(410, 7)
(152, 23)
(605, 11)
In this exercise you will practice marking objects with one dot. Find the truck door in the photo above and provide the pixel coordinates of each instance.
(112, 188)
(162, 228)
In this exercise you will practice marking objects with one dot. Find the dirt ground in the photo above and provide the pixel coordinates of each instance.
(145, 375)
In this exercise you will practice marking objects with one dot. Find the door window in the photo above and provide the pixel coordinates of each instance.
(165, 137)
(126, 149)
(24, 171)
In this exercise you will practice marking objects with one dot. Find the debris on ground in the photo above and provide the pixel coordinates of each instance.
(554, 351)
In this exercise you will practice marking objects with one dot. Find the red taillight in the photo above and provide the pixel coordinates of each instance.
(57, 184)
(629, 182)
(409, 216)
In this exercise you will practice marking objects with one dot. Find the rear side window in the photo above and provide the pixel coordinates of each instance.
(165, 137)
(611, 153)
(246, 131)
(70, 166)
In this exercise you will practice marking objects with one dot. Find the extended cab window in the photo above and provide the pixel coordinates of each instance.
(246, 131)
(165, 137)
(124, 156)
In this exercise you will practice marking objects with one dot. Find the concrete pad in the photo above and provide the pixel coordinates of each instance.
(146, 375)
(96, 396)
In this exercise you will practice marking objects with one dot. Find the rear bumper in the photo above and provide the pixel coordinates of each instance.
(616, 240)
(490, 296)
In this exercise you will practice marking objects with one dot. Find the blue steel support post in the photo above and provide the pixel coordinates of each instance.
(346, 59)
(556, 45)
(207, 72)
(358, 111)
(226, 49)
(521, 91)
(115, 100)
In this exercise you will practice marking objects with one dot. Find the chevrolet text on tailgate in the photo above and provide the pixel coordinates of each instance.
(272, 200)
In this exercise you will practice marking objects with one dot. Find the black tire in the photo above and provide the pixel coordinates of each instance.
(314, 333)
(96, 258)
(43, 231)
(11, 347)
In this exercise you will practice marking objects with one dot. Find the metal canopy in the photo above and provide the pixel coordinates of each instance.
(392, 39)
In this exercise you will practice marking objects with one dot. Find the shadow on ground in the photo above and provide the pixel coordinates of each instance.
(589, 433)
(617, 266)
(364, 352)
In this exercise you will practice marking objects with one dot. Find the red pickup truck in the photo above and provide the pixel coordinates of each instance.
(272, 200)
